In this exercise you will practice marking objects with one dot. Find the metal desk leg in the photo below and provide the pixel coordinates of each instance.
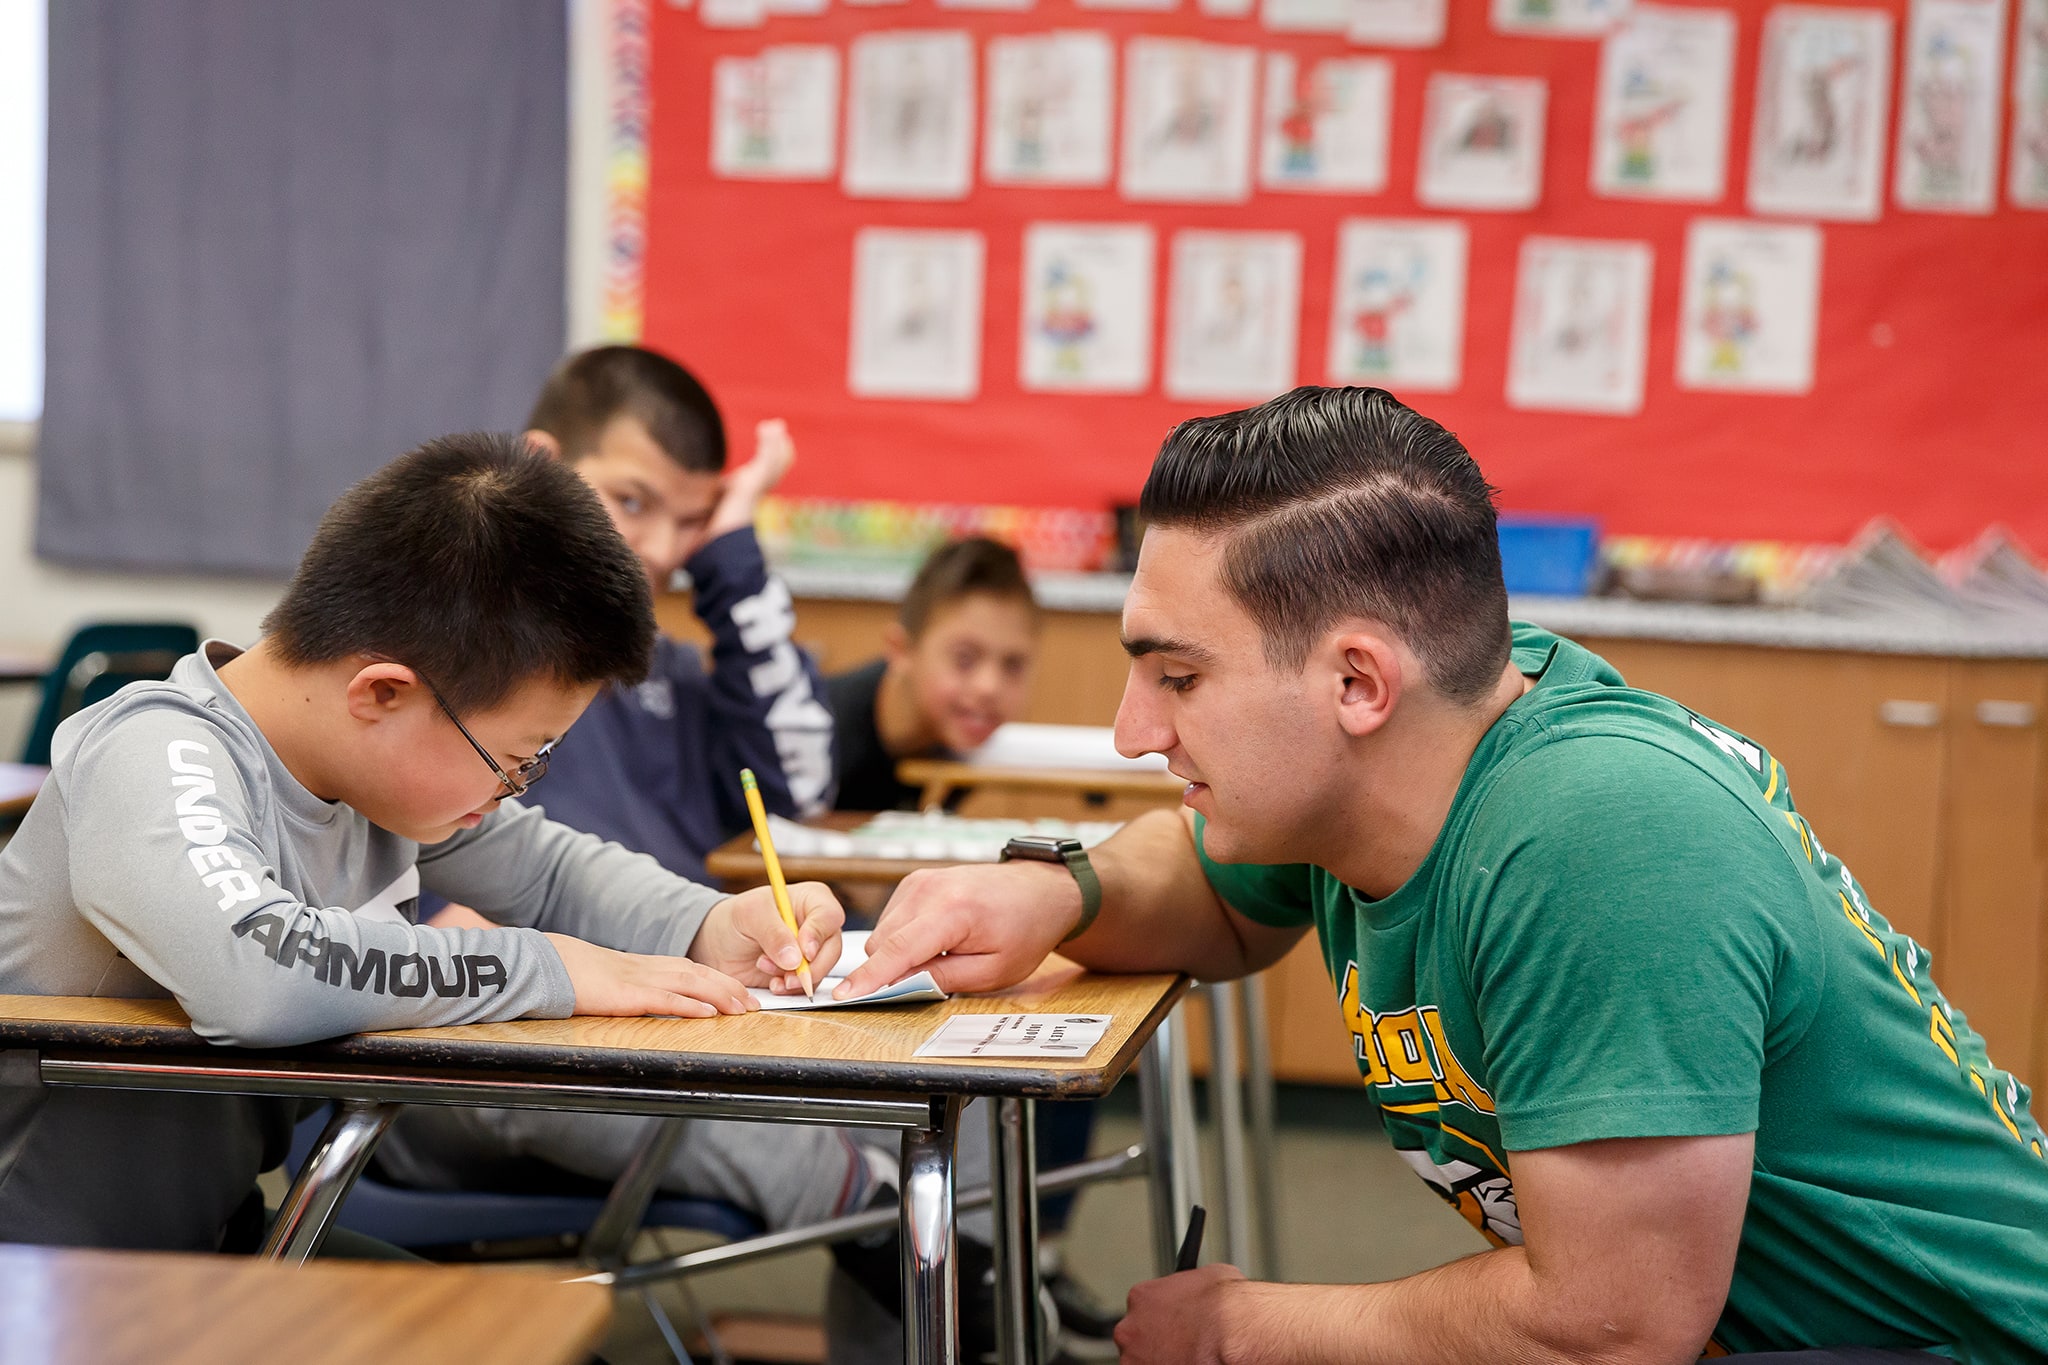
(1014, 1182)
(1166, 1096)
(610, 1238)
(931, 1292)
(1227, 1095)
(326, 1178)
(1258, 1073)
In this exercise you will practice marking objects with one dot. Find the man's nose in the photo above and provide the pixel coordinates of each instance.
(1141, 726)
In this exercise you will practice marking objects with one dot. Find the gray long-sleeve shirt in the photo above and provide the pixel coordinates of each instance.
(172, 853)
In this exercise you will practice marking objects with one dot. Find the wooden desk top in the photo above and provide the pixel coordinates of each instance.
(60, 1306)
(737, 863)
(821, 1052)
(949, 773)
(19, 783)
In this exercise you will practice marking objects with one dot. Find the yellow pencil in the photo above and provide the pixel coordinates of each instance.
(775, 882)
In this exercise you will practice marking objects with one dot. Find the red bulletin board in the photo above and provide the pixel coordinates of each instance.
(1931, 387)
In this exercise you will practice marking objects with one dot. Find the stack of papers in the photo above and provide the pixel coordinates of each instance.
(911, 990)
(1994, 574)
(1882, 574)
(925, 837)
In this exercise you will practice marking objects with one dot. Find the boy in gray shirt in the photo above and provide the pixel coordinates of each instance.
(251, 837)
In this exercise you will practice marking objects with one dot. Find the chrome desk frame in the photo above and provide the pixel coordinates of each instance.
(369, 1096)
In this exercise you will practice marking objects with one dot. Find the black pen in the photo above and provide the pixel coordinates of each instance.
(1191, 1245)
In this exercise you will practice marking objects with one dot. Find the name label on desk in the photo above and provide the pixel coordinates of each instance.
(1017, 1035)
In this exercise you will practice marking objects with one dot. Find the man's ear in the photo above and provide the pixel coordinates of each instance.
(1371, 678)
(544, 442)
(381, 690)
(895, 642)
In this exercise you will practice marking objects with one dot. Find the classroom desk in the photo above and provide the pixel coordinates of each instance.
(737, 863)
(23, 666)
(939, 778)
(62, 1306)
(852, 1068)
(19, 783)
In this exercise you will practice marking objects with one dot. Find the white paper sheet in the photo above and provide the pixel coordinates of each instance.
(1187, 120)
(1661, 130)
(733, 13)
(1823, 90)
(912, 990)
(1325, 128)
(1752, 304)
(916, 314)
(1948, 113)
(910, 116)
(1581, 323)
(1087, 309)
(1397, 320)
(2027, 182)
(1558, 18)
(1398, 23)
(1306, 16)
(1234, 315)
(1482, 142)
(1049, 98)
(775, 116)
(1017, 1035)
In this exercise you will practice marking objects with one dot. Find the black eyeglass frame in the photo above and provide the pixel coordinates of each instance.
(532, 771)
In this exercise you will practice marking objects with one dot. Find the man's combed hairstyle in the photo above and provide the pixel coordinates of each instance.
(961, 568)
(1345, 502)
(589, 389)
(477, 561)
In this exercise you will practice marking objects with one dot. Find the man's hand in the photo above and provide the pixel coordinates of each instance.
(994, 925)
(1183, 1319)
(611, 982)
(774, 453)
(745, 937)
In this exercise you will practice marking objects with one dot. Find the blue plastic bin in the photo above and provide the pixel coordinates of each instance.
(1549, 556)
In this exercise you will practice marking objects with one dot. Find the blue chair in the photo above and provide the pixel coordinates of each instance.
(426, 1219)
(99, 661)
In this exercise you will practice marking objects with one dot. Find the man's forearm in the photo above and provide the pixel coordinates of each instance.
(1159, 912)
(1486, 1307)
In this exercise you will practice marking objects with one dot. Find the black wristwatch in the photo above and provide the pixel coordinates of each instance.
(1044, 848)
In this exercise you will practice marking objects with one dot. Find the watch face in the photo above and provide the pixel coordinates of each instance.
(1042, 846)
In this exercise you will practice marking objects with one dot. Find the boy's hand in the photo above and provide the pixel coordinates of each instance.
(745, 936)
(774, 453)
(611, 982)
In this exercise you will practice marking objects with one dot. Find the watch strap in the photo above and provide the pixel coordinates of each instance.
(1091, 890)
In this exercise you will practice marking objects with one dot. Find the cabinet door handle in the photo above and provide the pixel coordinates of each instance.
(2006, 715)
(1910, 715)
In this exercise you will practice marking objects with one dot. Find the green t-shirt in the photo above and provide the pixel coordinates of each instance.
(1625, 929)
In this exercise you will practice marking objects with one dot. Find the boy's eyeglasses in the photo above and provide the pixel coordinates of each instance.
(520, 778)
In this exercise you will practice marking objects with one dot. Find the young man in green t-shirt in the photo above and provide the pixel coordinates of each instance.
(1616, 1001)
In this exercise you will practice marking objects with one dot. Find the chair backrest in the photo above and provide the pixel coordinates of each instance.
(99, 661)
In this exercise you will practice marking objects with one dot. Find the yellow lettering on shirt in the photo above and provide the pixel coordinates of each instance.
(1943, 1033)
(1452, 1084)
(1903, 981)
(1400, 1038)
(1408, 1047)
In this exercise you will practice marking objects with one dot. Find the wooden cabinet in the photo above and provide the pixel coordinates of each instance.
(1927, 776)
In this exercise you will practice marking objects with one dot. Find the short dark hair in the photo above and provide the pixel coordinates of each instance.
(1339, 502)
(479, 562)
(961, 568)
(589, 389)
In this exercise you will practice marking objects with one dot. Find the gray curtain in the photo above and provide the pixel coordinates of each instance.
(286, 242)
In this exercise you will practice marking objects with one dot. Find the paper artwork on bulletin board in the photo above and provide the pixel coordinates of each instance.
(1087, 308)
(1558, 18)
(1949, 106)
(733, 13)
(1661, 127)
(1324, 126)
(873, 4)
(1153, 5)
(1823, 92)
(1482, 142)
(775, 116)
(1397, 23)
(1397, 320)
(795, 7)
(910, 116)
(1233, 314)
(1751, 308)
(1187, 120)
(1048, 120)
(916, 314)
(987, 4)
(2027, 183)
(1581, 326)
(1225, 9)
(1306, 16)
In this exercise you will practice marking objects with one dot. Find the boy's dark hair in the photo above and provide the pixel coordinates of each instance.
(961, 568)
(477, 561)
(589, 389)
(1345, 502)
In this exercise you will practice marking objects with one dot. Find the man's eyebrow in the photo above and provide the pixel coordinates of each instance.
(1180, 649)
